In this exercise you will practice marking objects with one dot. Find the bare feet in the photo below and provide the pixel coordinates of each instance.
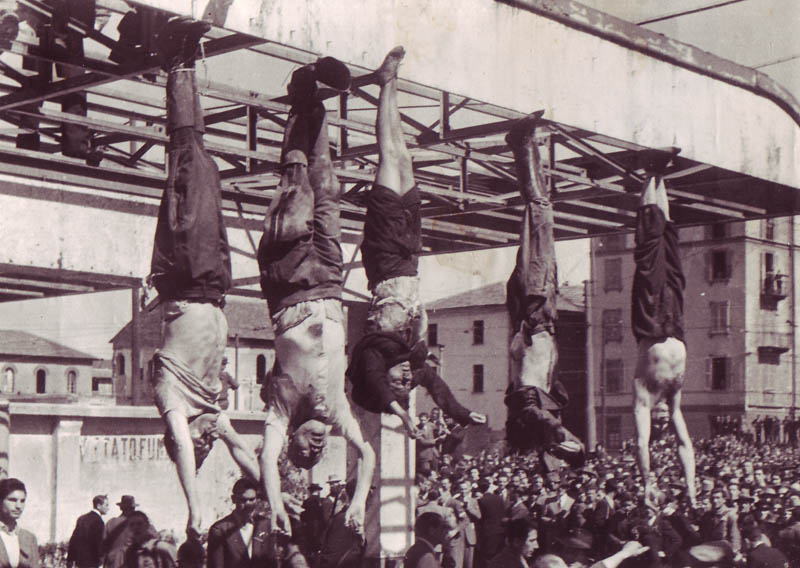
(388, 69)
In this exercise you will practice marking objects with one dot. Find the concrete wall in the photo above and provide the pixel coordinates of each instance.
(66, 454)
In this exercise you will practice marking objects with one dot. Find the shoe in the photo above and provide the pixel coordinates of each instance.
(94, 158)
(333, 73)
(179, 42)
(569, 451)
(656, 160)
(523, 130)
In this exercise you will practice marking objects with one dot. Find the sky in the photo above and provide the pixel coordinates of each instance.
(757, 33)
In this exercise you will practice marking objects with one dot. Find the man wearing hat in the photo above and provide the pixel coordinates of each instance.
(382, 369)
(118, 537)
(300, 263)
(313, 518)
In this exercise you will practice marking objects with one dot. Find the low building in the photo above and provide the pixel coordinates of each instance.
(470, 334)
(250, 353)
(34, 366)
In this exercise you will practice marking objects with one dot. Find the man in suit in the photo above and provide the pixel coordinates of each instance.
(522, 540)
(429, 532)
(241, 540)
(490, 526)
(118, 536)
(86, 543)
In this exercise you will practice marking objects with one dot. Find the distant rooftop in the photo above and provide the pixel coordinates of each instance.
(24, 344)
(570, 298)
(249, 319)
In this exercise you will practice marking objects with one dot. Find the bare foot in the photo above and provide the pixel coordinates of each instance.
(388, 69)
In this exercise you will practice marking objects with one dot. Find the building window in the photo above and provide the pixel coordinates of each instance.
(612, 242)
(72, 381)
(612, 325)
(614, 375)
(477, 332)
(477, 378)
(41, 381)
(720, 266)
(614, 432)
(120, 364)
(719, 371)
(102, 386)
(613, 274)
(433, 334)
(261, 368)
(7, 384)
(719, 317)
(769, 229)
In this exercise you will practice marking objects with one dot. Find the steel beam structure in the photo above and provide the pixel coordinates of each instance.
(455, 131)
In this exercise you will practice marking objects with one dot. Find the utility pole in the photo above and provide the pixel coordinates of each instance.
(591, 418)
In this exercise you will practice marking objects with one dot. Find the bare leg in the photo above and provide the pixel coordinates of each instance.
(242, 455)
(394, 160)
(178, 427)
(642, 405)
(685, 447)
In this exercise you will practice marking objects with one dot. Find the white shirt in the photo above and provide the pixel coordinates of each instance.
(11, 542)
(247, 536)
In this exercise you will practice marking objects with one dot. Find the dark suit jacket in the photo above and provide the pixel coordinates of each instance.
(226, 549)
(764, 556)
(86, 543)
(28, 551)
(421, 555)
(491, 535)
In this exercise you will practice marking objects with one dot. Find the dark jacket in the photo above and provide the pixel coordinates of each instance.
(374, 355)
(86, 543)
(226, 549)
(490, 532)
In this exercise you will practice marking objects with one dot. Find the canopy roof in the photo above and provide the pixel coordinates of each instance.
(608, 89)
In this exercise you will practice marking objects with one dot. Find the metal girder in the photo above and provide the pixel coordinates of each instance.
(464, 169)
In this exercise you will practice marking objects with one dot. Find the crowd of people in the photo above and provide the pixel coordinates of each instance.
(747, 506)
(762, 429)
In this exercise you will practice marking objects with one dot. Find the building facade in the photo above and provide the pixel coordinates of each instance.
(250, 353)
(470, 334)
(32, 366)
(739, 311)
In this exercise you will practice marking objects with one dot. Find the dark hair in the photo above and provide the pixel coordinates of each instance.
(483, 484)
(518, 529)
(9, 485)
(98, 500)
(297, 458)
(427, 523)
(244, 484)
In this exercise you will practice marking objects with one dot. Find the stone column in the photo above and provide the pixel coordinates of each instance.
(66, 476)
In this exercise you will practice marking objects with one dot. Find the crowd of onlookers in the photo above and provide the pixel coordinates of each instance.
(762, 429)
(747, 510)
(490, 510)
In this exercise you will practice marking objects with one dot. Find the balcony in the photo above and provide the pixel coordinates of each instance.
(774, 288)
